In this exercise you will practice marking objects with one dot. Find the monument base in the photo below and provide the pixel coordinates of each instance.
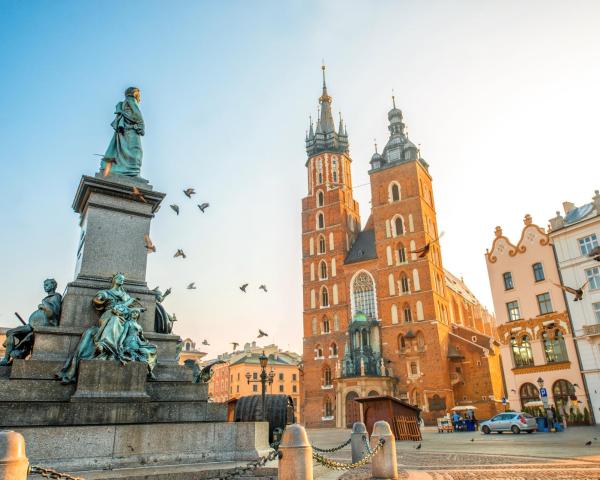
(116, 446)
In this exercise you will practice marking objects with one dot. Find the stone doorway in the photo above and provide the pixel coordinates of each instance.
(352, 409)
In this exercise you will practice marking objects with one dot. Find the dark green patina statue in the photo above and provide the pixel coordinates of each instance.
(163, 322)
(19, 340)
(124, 153)
(118, 335)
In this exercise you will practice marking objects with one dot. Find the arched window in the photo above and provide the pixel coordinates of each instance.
(320, 199)
(324, 297)
(333, 350)
(420, 315)
(401, 251)
(326, 376)
(322, 244)
(363, 293)
(323, 270)
(528, 393)
(401, 342)
(563, 391)
(554, 347)
(373, 393)
(320, 221)
(326, 325)
(319, 171)
(318, 351)
(394, 310)
(521, 350)
(398, 226)
(395, 192)
(188, 346)
(404, 285)
(336, 323)
(314, 325)
(407, 313)
(328, 408)
(334, 168)
(414, 369)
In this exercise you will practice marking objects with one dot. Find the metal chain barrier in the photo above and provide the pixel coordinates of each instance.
(236, 472)
(332, 464)
(366, 442)
(50, 473)
(334, 449)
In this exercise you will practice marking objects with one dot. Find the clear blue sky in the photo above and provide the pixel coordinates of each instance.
(502, 96)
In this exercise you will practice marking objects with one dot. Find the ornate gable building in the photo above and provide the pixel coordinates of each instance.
(378, 317)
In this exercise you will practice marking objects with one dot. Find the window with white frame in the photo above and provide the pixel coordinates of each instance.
(322, 244)
(587, 244)
(334, 170)
(323, 270)
(324, 297)
(320, 221)
(319, 172)
(513, 310)
(326, 325)
(593, 276)
(596, 307)
(394, 192)
(320, 199)
(544, 303)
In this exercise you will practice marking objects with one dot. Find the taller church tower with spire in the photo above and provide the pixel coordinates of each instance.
(381, 315)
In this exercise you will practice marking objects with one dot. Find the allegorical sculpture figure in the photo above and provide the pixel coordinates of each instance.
(163, 322)
(118, 335)
(124, 153)
(19, 340)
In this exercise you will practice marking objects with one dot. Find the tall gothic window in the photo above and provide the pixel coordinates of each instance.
(328, 408)
(401, 253)
(404, 283)
(333, 350)
(395, 192)
(324, 297)
(401, 342)
(320, 199)
(320, 221)
(407, 313)
(323, 270)
(521, 350)
(334, 167)
(326, 325)
(398, 226)
(363, 292)
(322, 245)
(554, 347)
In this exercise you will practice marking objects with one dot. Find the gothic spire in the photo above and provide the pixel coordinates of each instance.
(326, 119)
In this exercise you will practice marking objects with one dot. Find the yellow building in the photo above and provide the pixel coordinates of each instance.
(230, 381)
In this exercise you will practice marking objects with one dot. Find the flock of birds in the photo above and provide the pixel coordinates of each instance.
(151, 248)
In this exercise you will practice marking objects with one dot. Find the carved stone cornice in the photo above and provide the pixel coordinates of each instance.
(533, 326)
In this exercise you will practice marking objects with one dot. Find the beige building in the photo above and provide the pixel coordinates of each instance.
(189, 352)
(2, 338)
(533, 324)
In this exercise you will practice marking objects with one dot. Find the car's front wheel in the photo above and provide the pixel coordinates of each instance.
(485, 429)
(514, 429)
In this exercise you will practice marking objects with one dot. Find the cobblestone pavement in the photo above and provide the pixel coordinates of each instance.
(542, 456)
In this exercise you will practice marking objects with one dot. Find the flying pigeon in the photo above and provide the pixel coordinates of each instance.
(263, 287)
(138, 195)
(578, 292)
(191, 286)
(175, 208)
(588, 443)
(179, 253)
(235, 345)
(150, 247)
(189, 192)
(203, 206)
(425, 250)
(243, 287)
(205, 342)
(262, 334)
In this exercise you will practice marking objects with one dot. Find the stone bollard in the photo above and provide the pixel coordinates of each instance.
(13, 461)
(357, 441)
(384, 464)
(295, 461)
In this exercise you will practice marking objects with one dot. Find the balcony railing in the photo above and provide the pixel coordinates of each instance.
(593, 329)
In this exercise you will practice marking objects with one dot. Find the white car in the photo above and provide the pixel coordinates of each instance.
(515, 422)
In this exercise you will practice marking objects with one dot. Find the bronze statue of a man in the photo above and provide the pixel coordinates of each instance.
(19, 340)
(124, 153)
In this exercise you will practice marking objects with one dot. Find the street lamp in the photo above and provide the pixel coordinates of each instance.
(540, 382)
(264, 379)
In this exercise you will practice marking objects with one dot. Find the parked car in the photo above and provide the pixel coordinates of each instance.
(515, 422)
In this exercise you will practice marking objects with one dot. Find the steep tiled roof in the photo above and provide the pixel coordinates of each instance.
(363, 248)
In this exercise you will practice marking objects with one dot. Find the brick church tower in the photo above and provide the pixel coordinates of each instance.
(377, 315)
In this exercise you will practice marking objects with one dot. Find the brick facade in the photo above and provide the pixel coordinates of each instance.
(416, 327)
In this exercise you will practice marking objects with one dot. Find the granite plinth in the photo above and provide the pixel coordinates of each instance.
(111, 446)
(107, 380)
(113, 224)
